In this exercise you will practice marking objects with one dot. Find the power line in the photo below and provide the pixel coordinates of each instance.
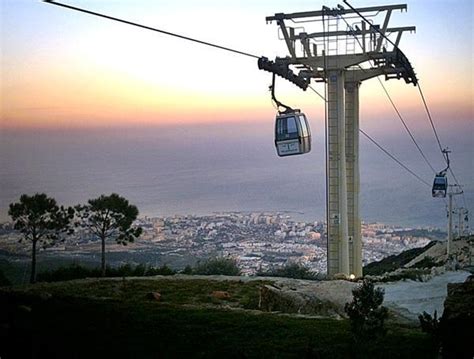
(152, 29)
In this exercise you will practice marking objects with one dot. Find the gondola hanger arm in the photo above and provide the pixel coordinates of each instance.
(288, 109)
(446, 153)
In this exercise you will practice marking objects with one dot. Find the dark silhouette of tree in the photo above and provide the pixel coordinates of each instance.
(109, 217)
(41, 221)
(366, 313)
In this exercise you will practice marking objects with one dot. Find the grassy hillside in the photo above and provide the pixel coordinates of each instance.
(391, 263)
(119, 318)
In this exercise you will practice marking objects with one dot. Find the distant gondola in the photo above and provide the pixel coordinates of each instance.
(440, 185)
(292, 134)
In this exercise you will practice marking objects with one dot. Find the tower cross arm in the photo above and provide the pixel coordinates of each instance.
(359, 32)
(327, 11)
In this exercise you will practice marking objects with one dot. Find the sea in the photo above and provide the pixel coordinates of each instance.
(206, 168)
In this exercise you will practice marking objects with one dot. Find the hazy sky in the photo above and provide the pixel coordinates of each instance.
(65, 69)
(72, 74)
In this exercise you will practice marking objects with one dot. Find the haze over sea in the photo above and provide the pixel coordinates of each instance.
(200, 169)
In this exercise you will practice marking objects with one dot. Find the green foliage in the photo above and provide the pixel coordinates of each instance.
(366, 313)
(187, 270)
(41, 221)
(219, 266)
(391, 263)
(292, 270)
(109, 217)
(432, 326)
(163, 270)
(76, 271)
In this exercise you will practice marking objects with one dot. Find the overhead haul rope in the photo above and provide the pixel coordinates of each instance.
(394, 158)
(379, 146)
(152, 29)
(257, 57)
(393, 104)
(443, 153)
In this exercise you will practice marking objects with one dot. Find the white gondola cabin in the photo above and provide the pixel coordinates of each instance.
(440, 185)
(292, 134)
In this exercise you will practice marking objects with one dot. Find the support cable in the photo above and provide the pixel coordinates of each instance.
(257, 57)
(431, 122)
(439, 143)
(394, 158)
(370, 24)
(393, 104)
(317, 93)
(422, 97)
(380, 147)
(152, 29)
(406, 126)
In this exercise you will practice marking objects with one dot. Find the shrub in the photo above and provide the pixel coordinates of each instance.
(163, 270)
(187, 270)
(431, 325)
(73, 271)
(366, 313)
(219, 266)
(292, 270)
(76, 271)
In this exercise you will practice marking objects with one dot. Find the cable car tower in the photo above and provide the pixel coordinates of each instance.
(347, 49)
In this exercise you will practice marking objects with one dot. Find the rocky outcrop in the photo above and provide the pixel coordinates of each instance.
(219, 294)
(458, 320)
(326, 298)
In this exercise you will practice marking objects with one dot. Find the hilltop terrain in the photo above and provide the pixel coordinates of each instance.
(183, 317)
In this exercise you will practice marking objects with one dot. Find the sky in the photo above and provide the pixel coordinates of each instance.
(67, 72)
(63, 69)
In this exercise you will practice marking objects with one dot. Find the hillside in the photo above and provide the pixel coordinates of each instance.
(125, 318)
(432, 255)
(394, 262)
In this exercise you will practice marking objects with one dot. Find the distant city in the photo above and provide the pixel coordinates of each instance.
(258, 241)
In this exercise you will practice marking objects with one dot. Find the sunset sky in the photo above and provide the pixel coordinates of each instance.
(63, 69)
(89, 106)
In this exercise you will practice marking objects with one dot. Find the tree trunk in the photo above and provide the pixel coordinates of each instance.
(103, 257)
(33, 263)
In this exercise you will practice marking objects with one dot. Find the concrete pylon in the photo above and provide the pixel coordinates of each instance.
(353, 177)
(338, 240)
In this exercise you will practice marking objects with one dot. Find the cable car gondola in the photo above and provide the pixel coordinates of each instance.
(292, 133)
(440, 185)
